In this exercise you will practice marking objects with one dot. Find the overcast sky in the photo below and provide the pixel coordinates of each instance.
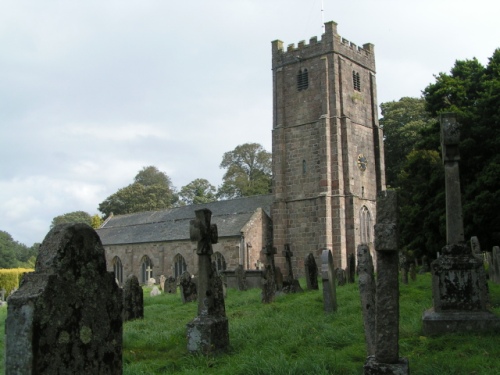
(92, 91)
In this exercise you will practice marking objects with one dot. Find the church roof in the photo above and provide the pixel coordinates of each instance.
(173, 224)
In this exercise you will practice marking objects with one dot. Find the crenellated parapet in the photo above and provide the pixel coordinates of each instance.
(331, 42)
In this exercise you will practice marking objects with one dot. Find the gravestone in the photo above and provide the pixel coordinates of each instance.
(269, 275)
(151, 281)
(239, 272)
(425, 265)
(155, 291)
(328, 281)
(170, 285)
(459, 291)
(351, 269)
(386, 360)
(311, 273)
(162, 282)
(133, 299)
(367, 292)
(278, 279)
(340, 275)
(290, 284)
(495, 265)
(209, 331)
(66, 316)
(187, 287)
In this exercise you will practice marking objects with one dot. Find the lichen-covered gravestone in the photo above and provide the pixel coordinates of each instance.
(340, 275)
(367, 293)
(188, 288)
(170, 285)
(311, 269)
(66, 317)
(133, 299)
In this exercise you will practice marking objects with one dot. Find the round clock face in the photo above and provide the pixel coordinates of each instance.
(362, 162)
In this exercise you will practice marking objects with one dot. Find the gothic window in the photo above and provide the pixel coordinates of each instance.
(356, 81)
(179, 265)
(302, 79)
(146, 269)
(365, 224)
(118, 269)
(220, 262)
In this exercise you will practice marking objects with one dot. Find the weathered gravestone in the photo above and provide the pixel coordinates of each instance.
(209, 331)
(425, 265)
(269, 281)
(340, 275)
(66, 317)
(239, 272)
(162, 282)
(187, 287)
(171, 285)
(367, 294)
(278, 279)
(459, 291)
(351, 268)
(328, 281)
(386, 360)
(311, 269)
(133, 299)
(155, 291)
(290, 285)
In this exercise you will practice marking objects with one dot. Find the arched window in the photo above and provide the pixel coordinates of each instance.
(179, 265)
(118, 270)
(365, 224)
(356, 81)
(146, 269)
(302, 79)
(220, 262)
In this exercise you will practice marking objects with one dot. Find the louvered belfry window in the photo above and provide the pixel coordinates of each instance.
(302, 79)
(356, 81)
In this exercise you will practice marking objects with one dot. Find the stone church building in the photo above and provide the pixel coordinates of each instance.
(328, 166)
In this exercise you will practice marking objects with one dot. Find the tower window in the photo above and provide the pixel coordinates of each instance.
(356, 81)
(302, 79)
(304, 167)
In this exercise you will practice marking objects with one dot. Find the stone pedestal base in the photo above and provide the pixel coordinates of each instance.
(436, 323)
(208, 334)
(372, 367)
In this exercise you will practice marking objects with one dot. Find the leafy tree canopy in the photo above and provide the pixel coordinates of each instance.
(14, 254)
(151, 190)
(72, 217)
(198, 191)
(248, 171)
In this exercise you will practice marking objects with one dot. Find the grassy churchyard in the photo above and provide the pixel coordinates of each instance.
(294, 336)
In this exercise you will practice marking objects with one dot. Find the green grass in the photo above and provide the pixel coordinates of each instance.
(294, 336)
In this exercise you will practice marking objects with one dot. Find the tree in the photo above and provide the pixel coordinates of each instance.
(7, 251)
(96, 221)
(71, 218)
(151, 190)
(248, 171)
(197, 192)
(402, 123)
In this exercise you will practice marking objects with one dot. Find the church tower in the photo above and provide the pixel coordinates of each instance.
(328, 157)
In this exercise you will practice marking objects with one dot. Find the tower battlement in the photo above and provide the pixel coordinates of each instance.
(331, 42)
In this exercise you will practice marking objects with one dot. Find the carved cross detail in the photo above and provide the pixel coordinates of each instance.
(203, 232)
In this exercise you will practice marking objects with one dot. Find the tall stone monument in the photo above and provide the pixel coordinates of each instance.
(209, 331)
(328, 280)
(458, 290)
(269, 282)
(386, 360)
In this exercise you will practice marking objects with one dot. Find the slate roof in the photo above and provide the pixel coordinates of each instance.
(173, 224)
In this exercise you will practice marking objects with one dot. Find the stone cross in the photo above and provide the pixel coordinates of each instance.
(386, 245)
(149, 273)
(450, 137)
(209, 331)
(288, 256)
(205, 233)
(66, 317)
(269, 251)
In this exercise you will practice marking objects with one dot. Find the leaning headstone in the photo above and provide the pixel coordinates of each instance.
(328, 280)
(133, 299)
(311, 273)
(170, 285)
(66, 317)
(386, 359)
(239, 272)
(209, 331)
(459, 290)
(367, 292)
(188, 288)
(351, 268)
